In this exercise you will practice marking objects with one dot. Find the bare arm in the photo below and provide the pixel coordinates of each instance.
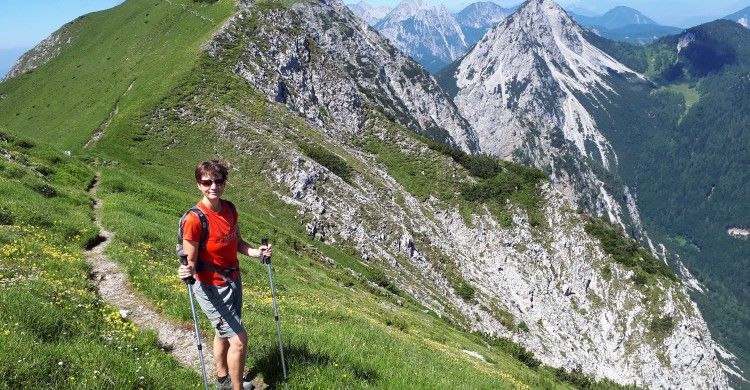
(245, 249)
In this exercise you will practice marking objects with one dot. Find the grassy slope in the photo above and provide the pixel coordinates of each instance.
(55, 332)
(148, 45)
(340, 328)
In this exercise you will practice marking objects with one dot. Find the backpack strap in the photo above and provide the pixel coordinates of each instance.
(204, 229)
(234, 210)
(204, 226)
(224, 273)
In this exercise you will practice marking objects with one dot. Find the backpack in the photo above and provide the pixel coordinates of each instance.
(204, 231)
(204, 235)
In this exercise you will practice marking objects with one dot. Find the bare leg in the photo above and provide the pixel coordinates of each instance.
(221, 346)
(236, 359)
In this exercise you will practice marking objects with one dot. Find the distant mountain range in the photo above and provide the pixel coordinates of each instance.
(625, 24)
(615, 18)
(434, 37)
(742, 16)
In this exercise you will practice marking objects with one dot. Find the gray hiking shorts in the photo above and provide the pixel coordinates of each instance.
(222, 305)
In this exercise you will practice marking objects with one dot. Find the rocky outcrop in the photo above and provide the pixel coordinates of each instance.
(526, 88)
(322, 62)
(46, 50)
(578, 315)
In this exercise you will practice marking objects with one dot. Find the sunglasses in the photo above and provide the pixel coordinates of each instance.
(207, 183)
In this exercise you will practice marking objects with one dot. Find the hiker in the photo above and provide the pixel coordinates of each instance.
(218, 288)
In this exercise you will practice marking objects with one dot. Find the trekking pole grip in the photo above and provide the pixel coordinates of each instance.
(264, 259)
(189, 279)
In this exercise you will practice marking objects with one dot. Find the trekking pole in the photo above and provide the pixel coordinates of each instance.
(189, 281)
(267, 261)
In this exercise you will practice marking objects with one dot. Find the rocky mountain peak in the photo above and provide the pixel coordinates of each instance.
(368, 13)
(525, 87)
(538, 49)
(481, 14)
(404, 10)
(547, 23)
(622, 16)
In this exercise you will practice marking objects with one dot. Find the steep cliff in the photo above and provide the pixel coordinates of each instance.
(527, 87)
(322, 62)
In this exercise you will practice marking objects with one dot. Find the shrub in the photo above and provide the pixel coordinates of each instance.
(661, 327)
(478, 165)
(514, 349)
(575, 378)
(397, 322)
(44, 189)
(334, 163)
(465, 291)
(377, 276)
(6, 217)
(626, 251)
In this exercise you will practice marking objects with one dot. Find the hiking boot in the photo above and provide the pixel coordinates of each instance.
(224, 383)
(247, 384)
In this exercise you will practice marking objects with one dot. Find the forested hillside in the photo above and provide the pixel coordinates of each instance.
(687, 158)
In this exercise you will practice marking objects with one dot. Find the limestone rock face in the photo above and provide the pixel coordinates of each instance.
(431, 36)
(370, 14)
(323, 62)
(527, 87)
(478, 18)
(554, 282)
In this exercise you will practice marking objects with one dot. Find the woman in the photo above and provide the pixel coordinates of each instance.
(218, 289)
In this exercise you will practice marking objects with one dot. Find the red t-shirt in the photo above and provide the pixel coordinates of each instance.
(222, 244)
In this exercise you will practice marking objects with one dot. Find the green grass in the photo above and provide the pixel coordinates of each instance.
(334, 163)
(154, 45)
(688, 91)
(629, 253)
(55, 331)
(336, 332)
(425, 173)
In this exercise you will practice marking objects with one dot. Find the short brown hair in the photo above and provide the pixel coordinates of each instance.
(214, 168)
